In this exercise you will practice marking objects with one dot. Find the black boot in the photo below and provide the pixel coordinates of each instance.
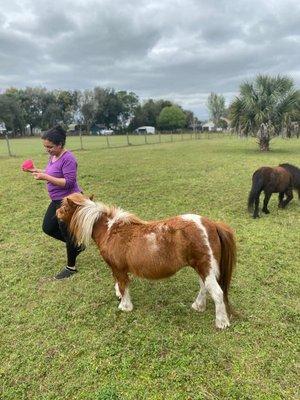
(66, 272)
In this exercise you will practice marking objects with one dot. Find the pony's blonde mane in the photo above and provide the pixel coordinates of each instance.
(117, 215)
(85, 216)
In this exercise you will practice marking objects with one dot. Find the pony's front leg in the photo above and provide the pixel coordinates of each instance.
(289, 197)
(211, 284)
(117, 290)
(122, 292)
(126, 304)
(200, 302)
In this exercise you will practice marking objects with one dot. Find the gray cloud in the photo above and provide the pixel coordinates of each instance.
(181, 50)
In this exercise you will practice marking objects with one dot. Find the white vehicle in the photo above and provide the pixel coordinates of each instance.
(2, 128)
(106, 132)
(145, 129)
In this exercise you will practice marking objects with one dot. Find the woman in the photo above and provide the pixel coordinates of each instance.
(61, 177)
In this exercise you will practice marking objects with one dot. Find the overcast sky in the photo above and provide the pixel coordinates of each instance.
(173, 49)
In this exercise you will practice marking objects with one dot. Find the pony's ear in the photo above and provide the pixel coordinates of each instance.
(91, 197)
(70, 202)
(73, 203)
(76, 199)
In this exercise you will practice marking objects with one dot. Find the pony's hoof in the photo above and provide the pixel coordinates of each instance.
(266, 211)
(198, 307)
(222, 323)
(125, 307)
(255, 216)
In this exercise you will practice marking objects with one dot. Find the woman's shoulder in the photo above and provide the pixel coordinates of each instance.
(69, 155)
(68, 158)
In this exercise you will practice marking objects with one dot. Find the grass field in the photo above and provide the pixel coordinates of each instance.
(67, 340)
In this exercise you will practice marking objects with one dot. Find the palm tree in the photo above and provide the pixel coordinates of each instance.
(264, 107)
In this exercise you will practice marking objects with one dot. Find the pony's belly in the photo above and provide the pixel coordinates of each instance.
(154, 272)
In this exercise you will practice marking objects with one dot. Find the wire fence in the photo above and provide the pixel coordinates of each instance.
(32, 145)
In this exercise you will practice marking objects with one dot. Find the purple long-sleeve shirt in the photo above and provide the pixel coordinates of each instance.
(64, 167)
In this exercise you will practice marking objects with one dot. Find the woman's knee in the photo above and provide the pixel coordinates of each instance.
(64, 230)
(47, 229)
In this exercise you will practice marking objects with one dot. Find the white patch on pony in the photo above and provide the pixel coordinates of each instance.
(120, 216)
(152, 242)
(162, 228)
(126, 304)
(211, 283)
(197, 220)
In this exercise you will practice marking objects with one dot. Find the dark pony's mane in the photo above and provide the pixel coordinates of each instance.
(294, 171)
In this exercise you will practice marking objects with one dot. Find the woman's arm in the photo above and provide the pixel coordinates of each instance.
(45, 177)
(34, 170)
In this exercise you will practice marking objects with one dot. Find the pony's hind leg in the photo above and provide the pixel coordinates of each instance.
(200, 302)
(280, 199)
(266, 201)
(214, 289)
(208, 283)
(256, 206)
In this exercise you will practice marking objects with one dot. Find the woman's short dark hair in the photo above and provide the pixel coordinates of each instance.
(56, 135)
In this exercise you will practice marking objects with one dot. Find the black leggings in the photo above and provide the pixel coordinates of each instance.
(58, 230)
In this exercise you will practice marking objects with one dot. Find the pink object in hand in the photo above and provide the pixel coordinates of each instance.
(27, 164)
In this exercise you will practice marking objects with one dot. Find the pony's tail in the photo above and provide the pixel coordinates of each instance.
(257, 184)
(228, 259)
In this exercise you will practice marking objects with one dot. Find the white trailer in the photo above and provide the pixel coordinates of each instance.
(145, 129)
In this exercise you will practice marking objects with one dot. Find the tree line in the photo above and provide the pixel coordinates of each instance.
(23, 110)
(266, 107)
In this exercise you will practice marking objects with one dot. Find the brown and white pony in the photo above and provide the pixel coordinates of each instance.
(156, 249)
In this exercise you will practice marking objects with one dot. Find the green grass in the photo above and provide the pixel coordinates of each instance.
(67, 340)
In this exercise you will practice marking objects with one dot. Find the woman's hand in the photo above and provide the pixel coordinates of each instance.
(33, 170)
(40, 176)
(28, 166)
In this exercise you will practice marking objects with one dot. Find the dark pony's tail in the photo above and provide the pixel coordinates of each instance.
(228, 259)
(257, 184)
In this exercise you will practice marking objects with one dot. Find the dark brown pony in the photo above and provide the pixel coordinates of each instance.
(282, 179)
(156, 249)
